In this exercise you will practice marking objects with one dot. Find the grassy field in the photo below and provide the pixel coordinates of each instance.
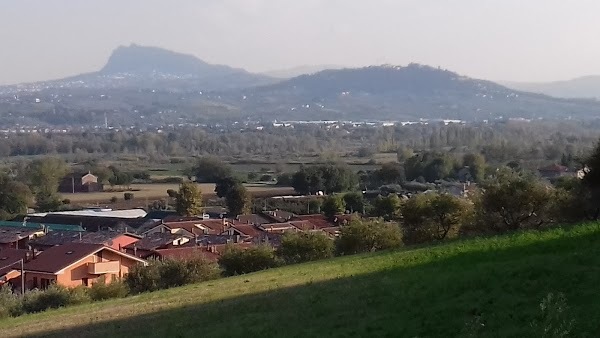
(478, 288)
(156, 191)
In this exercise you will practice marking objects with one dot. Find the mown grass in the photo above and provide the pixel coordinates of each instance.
(426, 292)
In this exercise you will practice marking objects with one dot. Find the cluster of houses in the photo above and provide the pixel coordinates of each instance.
(84, 247)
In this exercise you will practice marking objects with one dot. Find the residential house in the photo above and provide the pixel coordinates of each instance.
(77, 182)
(146, 246)
(74, 264)
(17, 237)
(113, 239)
(10, 264)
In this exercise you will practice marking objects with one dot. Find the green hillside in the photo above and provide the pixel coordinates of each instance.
(429, 292)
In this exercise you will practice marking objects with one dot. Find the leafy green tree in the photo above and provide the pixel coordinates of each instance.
(225, 185)
(44, 177)
(211, 170)
(366, 236)
(354, 201)
(429, 165)
(297, 247)
(15, 197)
(238, 200)
(512, 200)
(329, 178)
(431, 217)
(333, 205)
(591, 184)
(387, 207)
(189, 200)
(390, 173)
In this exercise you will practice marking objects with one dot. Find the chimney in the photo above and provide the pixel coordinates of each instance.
(80, 236)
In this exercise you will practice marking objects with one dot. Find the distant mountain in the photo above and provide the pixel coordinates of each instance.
(582, 87)
(300, 70)
(398, 93)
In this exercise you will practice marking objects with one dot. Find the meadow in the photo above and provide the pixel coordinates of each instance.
(482, 287)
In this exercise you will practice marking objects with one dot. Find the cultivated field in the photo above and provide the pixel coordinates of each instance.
(159, 190)
(470, 288)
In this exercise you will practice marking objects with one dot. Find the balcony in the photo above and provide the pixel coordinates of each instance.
(103, 267)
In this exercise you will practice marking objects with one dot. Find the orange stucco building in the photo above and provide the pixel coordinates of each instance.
(75, 264)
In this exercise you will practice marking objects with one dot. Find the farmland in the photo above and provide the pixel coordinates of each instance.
(159, 190)
(484, 287)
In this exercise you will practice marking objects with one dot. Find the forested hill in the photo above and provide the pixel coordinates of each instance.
(411, 92)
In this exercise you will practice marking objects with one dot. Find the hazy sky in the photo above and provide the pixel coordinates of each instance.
(523, 40)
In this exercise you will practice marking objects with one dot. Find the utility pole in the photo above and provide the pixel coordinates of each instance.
(22, 277)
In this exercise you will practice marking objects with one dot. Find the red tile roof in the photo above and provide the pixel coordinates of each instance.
(320, 221)
(247, 229)
(9, 259)
(59, 257)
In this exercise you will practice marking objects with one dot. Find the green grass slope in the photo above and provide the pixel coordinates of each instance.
(426, 292)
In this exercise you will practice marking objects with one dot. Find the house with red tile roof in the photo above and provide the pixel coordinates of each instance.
(74, 264)
(10, 264)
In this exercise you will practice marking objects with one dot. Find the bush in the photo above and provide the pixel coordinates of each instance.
(102, 291)
(10, 303)
(165, 274)
(236, 261)
(366, 236)
(39, 300)
(300, 247)
(114, 199)
(66, 201)
(79, 295)
(128, 196)
(172, 193)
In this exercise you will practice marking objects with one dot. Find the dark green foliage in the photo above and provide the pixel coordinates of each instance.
(120, 178)
(433, 217)
(158, 275)
(297, 247)
(14, 197)
(211, 170)
(387, 207)
(429, 165)
(102, 291)
(390, 173)
(366, 236)
(284, 179)
(477, 166)
(128, 196)
(53, 297)
(329, 178)
(333, 205)
(236, 261)
(511, 201)
(225, 185)
(114, 199)
(354, 202)
(238, 200)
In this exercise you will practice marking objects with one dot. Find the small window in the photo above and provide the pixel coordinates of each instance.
(84, 281)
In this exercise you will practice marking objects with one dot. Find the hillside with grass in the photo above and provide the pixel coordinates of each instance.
(488, 287)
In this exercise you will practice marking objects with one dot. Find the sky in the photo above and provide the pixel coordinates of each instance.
(511, 40)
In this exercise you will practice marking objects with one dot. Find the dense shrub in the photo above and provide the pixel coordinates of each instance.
(128, 196)
(165, 274)
(366, 236)
(236, 261)
(114, 199)
(53, 297)
(102, 291)
(10, 303)
(299, 247)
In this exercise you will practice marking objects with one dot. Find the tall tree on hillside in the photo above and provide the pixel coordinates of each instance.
(189, 200)
(333, 205)
(591, 184)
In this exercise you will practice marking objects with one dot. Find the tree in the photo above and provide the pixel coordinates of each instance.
(211, 170)
(476, 164)
(366, 236)
(44, 177)
(512, 200)
(225, 185)
(354, 202)
(387, 207)
(591, 184)
(333, 205)
(238, 200)
(14, 197)
(329, 178)
(390, 173)
(431, 166)
(429, 217)
(189, 200)
(297, 247)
